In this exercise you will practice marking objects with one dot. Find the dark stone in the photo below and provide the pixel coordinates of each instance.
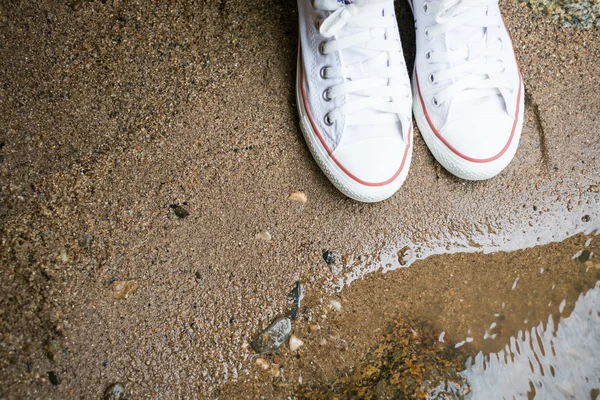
(112, 280)
(116, 391)
(584, 256)
(54, 378)
(273, 336)
(295, 296)
(198, 276)
(585, 218)
(330, 257)
(29, 366)
(181, 212)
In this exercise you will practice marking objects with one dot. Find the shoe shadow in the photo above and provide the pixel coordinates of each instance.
(406, 25)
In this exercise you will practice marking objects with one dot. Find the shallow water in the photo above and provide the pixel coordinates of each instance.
(522, 230)
(556, 361)
(503, 325)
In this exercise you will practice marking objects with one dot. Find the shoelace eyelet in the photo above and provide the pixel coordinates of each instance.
(326, 96)
(503, 65)
(431, 78)
(425, 8)
(501, 42)
(318, 23)
(428, 54)
(327, 120)
(426, 32)
(323, 73)
(322, 48)
(435, 102)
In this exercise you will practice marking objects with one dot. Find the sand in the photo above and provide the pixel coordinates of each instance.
(113, 114)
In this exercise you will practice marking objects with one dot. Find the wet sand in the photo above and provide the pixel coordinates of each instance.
(112, 113)
(461, 295)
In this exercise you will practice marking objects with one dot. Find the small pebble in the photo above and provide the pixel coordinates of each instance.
(262, 363)
(263, 235)
(122, 289)
(585, 218)
(330, 257)
(179, 211)
(271, 339)
(116, 391)
(295, 296)
(584, 256)
(54, 378)
(295, 343)
(405, 255)
(299, 197)
(593, 188)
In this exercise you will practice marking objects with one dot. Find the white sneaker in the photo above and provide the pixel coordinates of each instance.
(354, 96)
(467, 88)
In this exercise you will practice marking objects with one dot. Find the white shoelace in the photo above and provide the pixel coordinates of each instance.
(368, 81)
(475, 69)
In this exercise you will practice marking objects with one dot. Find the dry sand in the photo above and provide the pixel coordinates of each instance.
(112, 112)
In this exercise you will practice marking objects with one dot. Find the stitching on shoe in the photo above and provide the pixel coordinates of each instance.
(324, 144)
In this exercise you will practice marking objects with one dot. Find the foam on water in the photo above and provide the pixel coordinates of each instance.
(561, 363)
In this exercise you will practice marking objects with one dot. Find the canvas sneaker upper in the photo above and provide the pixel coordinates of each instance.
(354, 90)
(467, 85)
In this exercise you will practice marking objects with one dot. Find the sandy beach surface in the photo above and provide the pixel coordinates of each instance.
(143, 148)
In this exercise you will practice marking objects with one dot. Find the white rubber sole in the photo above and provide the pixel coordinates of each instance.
(344, 183)
(455, 164)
